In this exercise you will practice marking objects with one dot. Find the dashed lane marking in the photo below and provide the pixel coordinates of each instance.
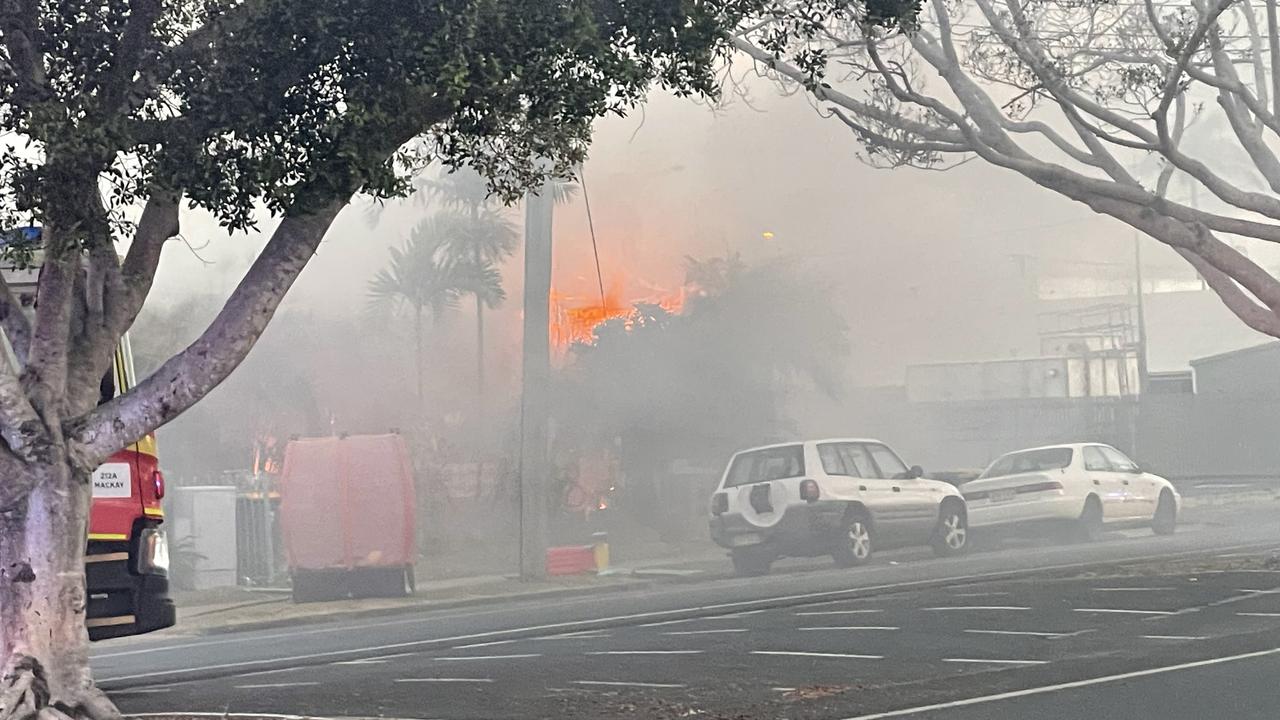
(1122, 611)
(1133, 589)
(464, 658)
(974, 607)
(646, 652)
(623, 683)
(264, 686)
(1172, 637)
(993, 661)
(377, 659)
(721, 631)
(475, 645)
(1028, 633)
(798, 653)
(835, 612)
(443, 680)
(1258, 614)
(848, 627)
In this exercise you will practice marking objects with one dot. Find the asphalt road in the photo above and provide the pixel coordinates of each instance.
(1012, 633)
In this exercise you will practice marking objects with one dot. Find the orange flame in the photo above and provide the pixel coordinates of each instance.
(574, 318)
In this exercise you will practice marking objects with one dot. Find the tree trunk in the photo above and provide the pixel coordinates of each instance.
(43, 640)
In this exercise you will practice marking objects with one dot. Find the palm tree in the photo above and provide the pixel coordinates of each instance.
(422, 278)
(479, 235)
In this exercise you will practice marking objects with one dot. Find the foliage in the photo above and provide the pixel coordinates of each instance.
(241, 102)
(718, 372)
(420, 275)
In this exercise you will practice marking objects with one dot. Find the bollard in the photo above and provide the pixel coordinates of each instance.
(600, 542)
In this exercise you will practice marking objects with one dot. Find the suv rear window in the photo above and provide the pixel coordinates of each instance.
(764, 465)
(1030, 461)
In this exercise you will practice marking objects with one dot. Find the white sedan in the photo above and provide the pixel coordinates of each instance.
(1086, 484)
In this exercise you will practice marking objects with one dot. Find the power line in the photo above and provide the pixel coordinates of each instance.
(595, 249)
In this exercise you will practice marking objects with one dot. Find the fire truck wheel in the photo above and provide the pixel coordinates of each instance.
(314, 587)
(381, 582)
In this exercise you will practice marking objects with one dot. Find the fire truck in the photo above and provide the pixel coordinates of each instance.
(127, 559)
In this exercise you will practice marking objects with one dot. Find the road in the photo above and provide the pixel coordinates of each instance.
(1010, 633)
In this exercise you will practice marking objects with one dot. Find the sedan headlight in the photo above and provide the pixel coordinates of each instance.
(153, 552)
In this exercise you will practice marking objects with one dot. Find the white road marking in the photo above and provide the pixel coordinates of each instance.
(848, 627)
(263, 686)
(1173, 637)
(1258, 614)
(1272, 591)
(620, 683)
(483, 644)
(1017, 632)
(808, 598)
(782, 689)
(141, 691)
(646, 652)
(722, 631)
(1249, 548)
(797, 653)
(443, 680)
(1122, 611)
(980, 594)
(835, 612)
(584, 635)
(975, 607)
(982, 699)
(1133, 589)
(375, 660)
(992, 661)
(463, 658)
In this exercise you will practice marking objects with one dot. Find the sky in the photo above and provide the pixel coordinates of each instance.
(926, 266)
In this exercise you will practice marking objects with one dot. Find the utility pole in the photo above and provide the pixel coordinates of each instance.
(535, 463)
(1142, 341)
(1142, 313)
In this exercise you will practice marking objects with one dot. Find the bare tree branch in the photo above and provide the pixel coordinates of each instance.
(1241, 305)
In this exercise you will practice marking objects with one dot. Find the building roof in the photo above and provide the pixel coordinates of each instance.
(1232, 354)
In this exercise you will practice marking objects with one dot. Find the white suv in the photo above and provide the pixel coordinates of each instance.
(838, 497)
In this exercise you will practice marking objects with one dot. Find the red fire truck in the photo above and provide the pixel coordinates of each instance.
(127, 562)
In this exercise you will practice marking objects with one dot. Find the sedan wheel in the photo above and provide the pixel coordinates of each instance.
(854, 544)
(952, 534)
(1165, 521)
(1089, 527)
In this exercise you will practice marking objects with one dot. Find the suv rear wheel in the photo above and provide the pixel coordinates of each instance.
(952, 534)
(853, 545)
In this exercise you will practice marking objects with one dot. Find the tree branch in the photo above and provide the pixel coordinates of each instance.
(1239, 303)
(19, 25)
(191, 374)
(127, 58)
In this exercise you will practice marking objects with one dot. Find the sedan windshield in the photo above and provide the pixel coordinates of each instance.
(1029, 461)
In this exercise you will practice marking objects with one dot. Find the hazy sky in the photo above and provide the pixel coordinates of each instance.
(925, 265)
